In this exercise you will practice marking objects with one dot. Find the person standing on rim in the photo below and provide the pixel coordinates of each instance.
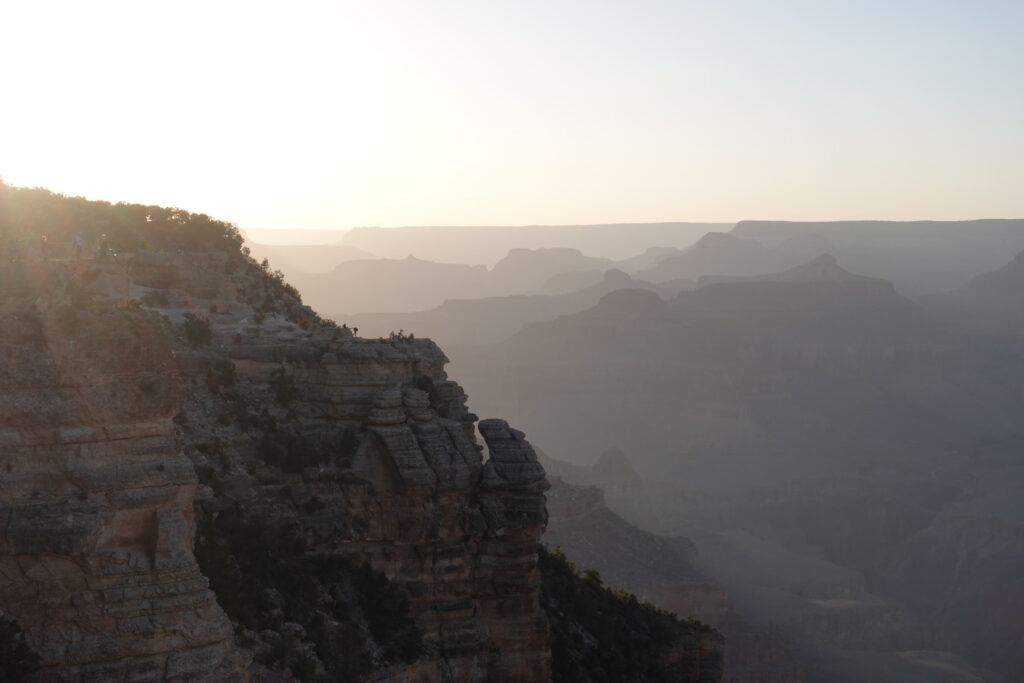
(78, 247)
(42, 248)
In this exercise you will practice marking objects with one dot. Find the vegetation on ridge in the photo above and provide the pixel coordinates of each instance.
(17, 659)
(603, 635)
(269, 585)
(28, 213)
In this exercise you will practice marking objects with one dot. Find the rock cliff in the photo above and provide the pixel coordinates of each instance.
(97, 500)
(109, 413)
(201, 481)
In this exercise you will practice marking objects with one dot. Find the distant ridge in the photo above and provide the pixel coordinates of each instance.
(991, 302)
(295, 259)
(777, 231)
(492, 319)
(293, 236)
(725, 253)
(918, 257)
(489, 244)
(823, 269)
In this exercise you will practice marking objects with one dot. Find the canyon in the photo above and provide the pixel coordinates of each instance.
(204, 481)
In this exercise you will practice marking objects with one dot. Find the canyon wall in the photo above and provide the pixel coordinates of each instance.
(97, 501)
(202, 481)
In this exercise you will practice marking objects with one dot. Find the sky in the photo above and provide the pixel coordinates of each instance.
(330, 115)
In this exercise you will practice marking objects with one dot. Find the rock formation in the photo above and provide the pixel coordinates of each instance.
(203, 480)
(106, 410)
(150, 404)
(97, 501)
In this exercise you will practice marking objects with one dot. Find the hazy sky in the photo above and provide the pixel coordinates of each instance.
(335, 114)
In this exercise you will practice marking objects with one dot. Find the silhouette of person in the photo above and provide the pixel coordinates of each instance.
(42, 247)
(78, 247)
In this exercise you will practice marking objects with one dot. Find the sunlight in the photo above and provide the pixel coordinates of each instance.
(336, 114)
(548, 342)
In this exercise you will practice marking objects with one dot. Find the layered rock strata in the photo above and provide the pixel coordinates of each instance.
(108, 414)
(414, 498)
(144, 399)
(96, 502)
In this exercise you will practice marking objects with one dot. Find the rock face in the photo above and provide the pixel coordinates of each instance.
(107, 416)
(96, 562)
(146, 404)
(415, 499)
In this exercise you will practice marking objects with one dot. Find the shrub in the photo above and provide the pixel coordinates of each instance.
(283, 386)
(197, 330)
(155, 298)
(340, 604)
(17, 660)
(598, 634)
(347, 446)
(292, 453)
(221, 376)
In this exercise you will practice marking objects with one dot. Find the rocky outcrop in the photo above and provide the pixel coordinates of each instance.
(108, 415)
(151, 405)
(410, 494)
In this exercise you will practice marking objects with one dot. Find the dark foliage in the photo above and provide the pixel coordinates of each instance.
(220, 376)
(27, 213)
(156, 298)
(342, 605)
(17, 660)
(197, 330)
(289, 452)
(293, 452)
(348, 444)
(601, 635)
(283, 386)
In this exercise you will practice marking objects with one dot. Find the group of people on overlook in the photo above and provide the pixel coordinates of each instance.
(103, 248)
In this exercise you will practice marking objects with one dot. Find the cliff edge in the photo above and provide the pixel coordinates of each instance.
(202, 480)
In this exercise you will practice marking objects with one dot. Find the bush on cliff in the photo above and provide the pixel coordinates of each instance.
(28, 213)
(264, 578)
(17, 660)
(197, 330)
(601, 635)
